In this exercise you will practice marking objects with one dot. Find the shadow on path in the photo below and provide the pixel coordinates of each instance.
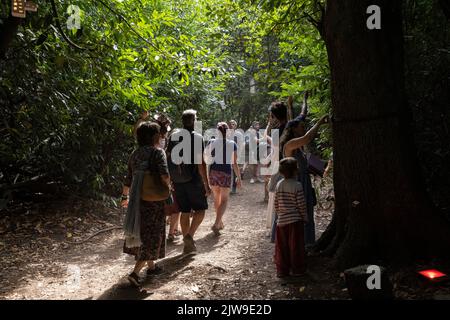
(172, 266)
(123, 290)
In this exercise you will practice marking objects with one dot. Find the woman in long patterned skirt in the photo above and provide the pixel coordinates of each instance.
(152, 215)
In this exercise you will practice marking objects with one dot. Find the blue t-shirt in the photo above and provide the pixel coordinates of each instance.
(222, 160)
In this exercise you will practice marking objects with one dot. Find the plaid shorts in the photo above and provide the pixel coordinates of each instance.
(219, 179)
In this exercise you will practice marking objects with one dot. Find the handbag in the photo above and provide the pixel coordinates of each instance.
(153, 187)
(316, 166)
(171, 206)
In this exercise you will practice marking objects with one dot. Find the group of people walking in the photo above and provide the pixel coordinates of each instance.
(179, 188)
(188, 182)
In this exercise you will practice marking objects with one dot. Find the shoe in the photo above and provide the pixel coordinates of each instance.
(252, 181)
(189, 245)
(134, 279)
(156, 270)
(216, 230)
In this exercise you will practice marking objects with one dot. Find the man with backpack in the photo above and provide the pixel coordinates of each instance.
(188, 174)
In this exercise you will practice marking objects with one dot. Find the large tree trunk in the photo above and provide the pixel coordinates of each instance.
(7, 33)
(382, 207)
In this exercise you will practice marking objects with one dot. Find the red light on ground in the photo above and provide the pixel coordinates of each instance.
(432, 274)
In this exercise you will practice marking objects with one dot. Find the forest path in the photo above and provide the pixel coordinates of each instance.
(236, 265)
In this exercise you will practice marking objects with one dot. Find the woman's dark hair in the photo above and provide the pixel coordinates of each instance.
(222, 127)
(279, 110)
(288, 167)
(146, 133)
(288, 132)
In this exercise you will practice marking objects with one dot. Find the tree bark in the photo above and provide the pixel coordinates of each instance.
(7, 33)
(445, 6)
(382, 207)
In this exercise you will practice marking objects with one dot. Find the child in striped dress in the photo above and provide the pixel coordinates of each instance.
(290, 207)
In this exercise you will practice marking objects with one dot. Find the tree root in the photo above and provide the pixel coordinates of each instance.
(95, 234)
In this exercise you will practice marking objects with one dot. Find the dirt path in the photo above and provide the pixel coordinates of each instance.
(236, 265)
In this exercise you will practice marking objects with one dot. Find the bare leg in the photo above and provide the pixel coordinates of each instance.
(185, 223)
(138, 266)
(196, 221)
(217, 203)
(254, 171)
(177, 222)
(216, 194)
(173, 223)
(224, 195)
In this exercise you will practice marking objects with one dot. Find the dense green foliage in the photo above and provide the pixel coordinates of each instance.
(69, 112)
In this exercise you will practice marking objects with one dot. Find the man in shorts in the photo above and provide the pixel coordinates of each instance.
(190, 181)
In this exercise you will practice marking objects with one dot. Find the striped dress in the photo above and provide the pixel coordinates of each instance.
(290, 205)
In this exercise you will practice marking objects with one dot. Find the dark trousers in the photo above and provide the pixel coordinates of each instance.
(274, 228)
(233, 181)
(290, 249)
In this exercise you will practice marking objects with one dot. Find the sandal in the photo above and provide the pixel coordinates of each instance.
(215, 230)
(156, 270)
(170, 238)
(134, 279)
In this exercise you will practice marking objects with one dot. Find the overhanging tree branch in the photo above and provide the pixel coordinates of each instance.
(61, 31)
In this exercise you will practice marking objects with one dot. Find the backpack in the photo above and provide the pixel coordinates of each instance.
(180, 173)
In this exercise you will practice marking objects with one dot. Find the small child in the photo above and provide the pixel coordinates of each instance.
(290, 207)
